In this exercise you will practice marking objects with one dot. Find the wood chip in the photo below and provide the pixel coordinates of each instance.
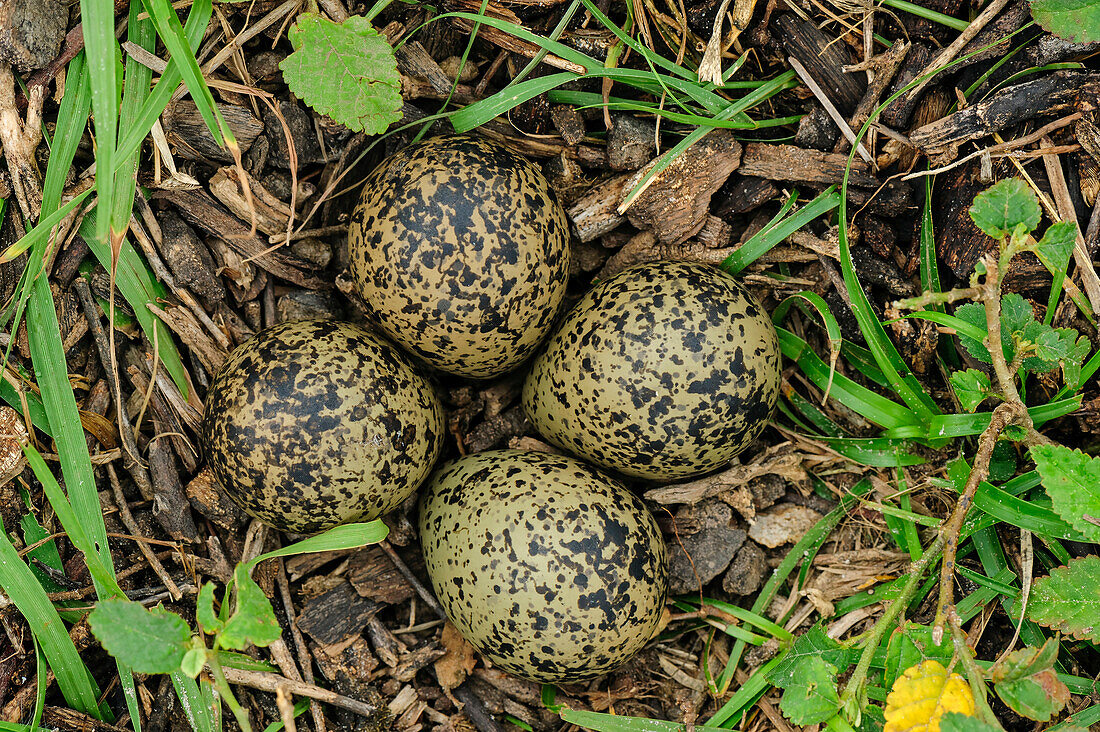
(336, 616)
(787, 162)
(677, 201)
(374, 577)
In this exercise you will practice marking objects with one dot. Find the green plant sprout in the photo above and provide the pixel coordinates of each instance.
(157, 641)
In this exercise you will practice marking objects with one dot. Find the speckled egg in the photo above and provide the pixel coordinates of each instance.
(552, 570)
(664, 371)
(313, 423)
(461, 252)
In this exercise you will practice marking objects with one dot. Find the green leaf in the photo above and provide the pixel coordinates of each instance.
(814, 643)
(204, 610)
(1052, 347)
(148, 641)
(253, 621)
(1016, 313)
(910, 646)
(811, 695)
(1069, 599)
(1077, 21)
(1002, 464)
(46, 553)
(344, 70)
(345, 536)
(972, 387)
(1025, 680)
(1072, 480)
(955, 722)
(193, 661)
(1057, 243)
(998, 210)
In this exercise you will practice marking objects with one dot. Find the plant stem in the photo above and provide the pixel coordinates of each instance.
(222, 685)
(853, 692)
(1005, 414)
(974, 674)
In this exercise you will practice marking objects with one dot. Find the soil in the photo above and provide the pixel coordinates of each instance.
(361, 623)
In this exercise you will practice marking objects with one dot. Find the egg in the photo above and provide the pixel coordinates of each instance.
(664, 371)
(461, 252)
(550, 569)
(313, 423)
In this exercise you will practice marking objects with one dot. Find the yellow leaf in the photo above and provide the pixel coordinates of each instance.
(922, 695)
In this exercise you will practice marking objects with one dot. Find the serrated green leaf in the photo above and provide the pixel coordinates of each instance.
(1077, 21)
(1057, 243)
(204, 610)
(1052, 347)
(1002, 207)
(814, 643)
(150, 641)
(253, 621)
(1072, 480)
(972, 387)
(344, 70)
(811, 694)
(1026, 682)
(1016, 314)
(1069, 599)
(955, 722)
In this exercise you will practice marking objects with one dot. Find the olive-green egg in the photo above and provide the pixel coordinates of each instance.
(552, 570)
(461, 252)
(314, 423)
(663, 371)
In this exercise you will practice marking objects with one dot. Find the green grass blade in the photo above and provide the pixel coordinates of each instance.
(23, 589)
(71, 120)
(348, 536)
(175, 40)
(959, 325)
(197, 20)
(877, 452)
(48, 357)
(98, 26)
(74, 527)
(139, 288)
(886, 354)
(482, 111)
(813, 416)
(651, 57)
(1004, 506)
(929, 267)
(804, 550)
(777, 231)
(928, 14)
(135, 91)
(965, 425)
(867, 403)
(195, 706)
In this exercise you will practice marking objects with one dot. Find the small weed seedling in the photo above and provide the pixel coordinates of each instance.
(157, 641)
